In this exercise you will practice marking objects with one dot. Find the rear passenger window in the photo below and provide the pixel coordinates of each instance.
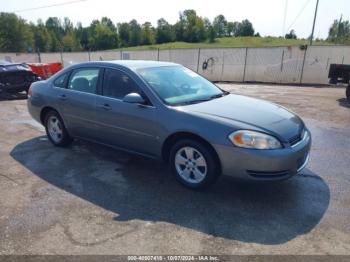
(60, 81)
(84, 80)
(117, 84)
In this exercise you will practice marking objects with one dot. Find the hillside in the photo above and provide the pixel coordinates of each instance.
(230, 42)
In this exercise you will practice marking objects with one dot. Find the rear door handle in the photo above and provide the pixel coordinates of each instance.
(62, 97)
(105, 107)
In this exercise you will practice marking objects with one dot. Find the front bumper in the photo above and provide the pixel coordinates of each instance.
(264, 164)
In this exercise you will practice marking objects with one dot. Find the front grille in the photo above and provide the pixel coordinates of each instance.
(263, 174)
(297, 138)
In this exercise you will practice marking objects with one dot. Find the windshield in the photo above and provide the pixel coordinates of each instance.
(177, 85)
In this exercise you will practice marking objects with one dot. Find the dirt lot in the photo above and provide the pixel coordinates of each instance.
(89, 199)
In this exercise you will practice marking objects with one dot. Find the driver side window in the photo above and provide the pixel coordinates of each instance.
(117, 84)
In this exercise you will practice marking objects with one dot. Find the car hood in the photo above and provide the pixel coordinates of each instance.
(255, 112)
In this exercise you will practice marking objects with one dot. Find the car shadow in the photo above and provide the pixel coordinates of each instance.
(344, 102)
(136, 188)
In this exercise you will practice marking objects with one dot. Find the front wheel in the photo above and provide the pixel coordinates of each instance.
(55, 129)
(194, 164)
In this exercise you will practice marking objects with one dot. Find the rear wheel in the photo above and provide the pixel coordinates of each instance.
(194, 164)
(55, 129)
(348, 92)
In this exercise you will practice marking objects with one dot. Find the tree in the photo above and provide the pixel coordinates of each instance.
(211, 34)
(135, 33)
(70, 42)
(230, 29)
(42, 38)
(15, 34)
(67, 25)
(103, 38)
(164, 32)
(219, 25)
(291, 35)
(192, 26)
(245, 28)
(339, 32)
(147, 34)
(123, 30)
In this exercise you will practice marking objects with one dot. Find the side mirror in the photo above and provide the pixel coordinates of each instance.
(134, 98)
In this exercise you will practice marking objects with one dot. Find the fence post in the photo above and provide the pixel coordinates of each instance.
(245, 63)
(223, 63)
(121, 54)
(302, 67)
(199, 54)
(282, 60)
(39, 56)
(89, 55)
(61, 57)
(158, 55)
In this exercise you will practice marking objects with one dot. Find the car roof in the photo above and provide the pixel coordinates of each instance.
(132, 64)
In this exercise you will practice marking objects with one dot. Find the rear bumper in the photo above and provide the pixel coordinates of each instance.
(264, 164)
(33, 109)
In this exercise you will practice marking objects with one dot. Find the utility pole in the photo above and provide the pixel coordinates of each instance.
(313, 26)
(284, 19)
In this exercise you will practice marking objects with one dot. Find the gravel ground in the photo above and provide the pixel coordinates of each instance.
(89, 199)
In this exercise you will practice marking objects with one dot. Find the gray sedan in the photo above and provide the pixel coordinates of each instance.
(166, 111)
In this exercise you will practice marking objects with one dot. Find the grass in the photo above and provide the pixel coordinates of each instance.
(230, 42)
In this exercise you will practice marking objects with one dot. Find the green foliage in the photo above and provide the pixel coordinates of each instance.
(15, 34)
(102, 37)
(147, 34)
(135, 33)
(54, 34)
(123, 30)
(339, 32)
(245, 28)
(232, 42)
(291, 35)
(220, 24)
(164, 32)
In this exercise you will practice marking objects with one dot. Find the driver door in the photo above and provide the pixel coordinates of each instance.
(129, 126)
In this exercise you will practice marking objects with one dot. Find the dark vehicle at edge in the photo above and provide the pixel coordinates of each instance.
(340, 73)
(16, 77)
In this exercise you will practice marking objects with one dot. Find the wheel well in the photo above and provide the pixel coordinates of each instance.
(44, 112)
(172, 139)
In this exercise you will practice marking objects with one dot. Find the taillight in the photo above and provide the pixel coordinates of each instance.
(30, 92)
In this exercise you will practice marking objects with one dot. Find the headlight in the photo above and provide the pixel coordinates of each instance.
(253, 139)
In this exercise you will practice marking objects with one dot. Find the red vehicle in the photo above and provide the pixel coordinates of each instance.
(45, 70)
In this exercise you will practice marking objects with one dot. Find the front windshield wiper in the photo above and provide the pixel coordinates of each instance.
(224, 93)
(195, 101)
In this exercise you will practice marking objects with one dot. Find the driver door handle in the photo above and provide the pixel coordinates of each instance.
(106, 107)
(63, 97)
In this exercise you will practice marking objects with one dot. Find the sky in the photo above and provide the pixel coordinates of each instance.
(267, 16)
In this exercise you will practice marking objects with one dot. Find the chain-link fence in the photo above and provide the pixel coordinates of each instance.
(290, 64)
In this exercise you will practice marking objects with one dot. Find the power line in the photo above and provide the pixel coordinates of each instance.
(300, 12)
(48, 6)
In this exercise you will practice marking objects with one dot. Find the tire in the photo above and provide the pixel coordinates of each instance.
(348, 92)
(55, 129)
(192, 171)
